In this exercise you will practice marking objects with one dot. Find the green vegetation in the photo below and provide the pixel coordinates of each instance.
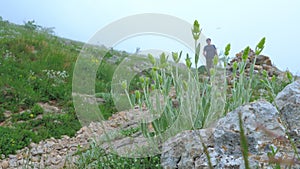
(13, 139)
(37, 67)
(201, 101)
(130, 131)
(95, 157)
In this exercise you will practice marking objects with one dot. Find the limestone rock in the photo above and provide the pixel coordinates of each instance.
(5, 164)
(49, 108)
(181, 150)
(13, 161)
(288, 102)
(263, 130)
(290, 90)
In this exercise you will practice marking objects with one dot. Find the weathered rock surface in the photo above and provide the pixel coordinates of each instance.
(288, 103)
(264, 128)
(182, 150)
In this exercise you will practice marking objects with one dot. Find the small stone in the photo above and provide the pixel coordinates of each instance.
(82, 130)
(5, 164)
(20, 162)
(257, 67)
(65, 137)
(48, 161)
(7, 114)
(13, 162)
(37, 150)
(19, 156)
(267, 67)
(35, 159)
(56, 160)
(49, 108)
(32, 145)
(58, 146)
(268, 62)
(12, 156)
(49, 144)
(261, 59)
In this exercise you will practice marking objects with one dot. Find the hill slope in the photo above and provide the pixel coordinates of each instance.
(36, 69)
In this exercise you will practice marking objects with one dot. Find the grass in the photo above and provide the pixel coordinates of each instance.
(37, 66)
(95, 157)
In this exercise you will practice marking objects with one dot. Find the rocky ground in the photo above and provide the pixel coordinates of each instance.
(59, 153)
(262, 63)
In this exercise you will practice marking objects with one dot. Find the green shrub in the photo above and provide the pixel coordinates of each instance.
(130, 131)
(27, 115)
(52, 126)
(37, 109)
(14, 139)
(97, 158)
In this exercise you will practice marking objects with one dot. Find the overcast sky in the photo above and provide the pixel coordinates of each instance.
(238, 22)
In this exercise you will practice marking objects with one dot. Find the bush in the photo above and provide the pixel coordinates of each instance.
(96, 157)
(27, 115)
(14, 139)
(52, 126)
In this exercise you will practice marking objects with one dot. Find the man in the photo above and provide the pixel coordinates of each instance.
(209, 51)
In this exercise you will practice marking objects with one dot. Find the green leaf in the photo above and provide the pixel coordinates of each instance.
(216, 60)
(188, 61)
(265, 73)
(246, 53)
(289, 76)
(152, 59)
(137, 94)
(260, 46)
(175, 56)
(227, 49)
(197, 54)
(163, 58)
(142, 79)
(235, 65)
(196, 28)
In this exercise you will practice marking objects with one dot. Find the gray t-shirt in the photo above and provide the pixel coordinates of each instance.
(210, 51)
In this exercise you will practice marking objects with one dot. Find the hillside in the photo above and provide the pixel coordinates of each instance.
(37, 109)
(36, 69)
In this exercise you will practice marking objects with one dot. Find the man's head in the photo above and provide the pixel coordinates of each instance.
(208, 41)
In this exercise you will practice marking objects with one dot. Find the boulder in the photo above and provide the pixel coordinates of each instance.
(288, 103)
(182, 150)
(263, 131)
